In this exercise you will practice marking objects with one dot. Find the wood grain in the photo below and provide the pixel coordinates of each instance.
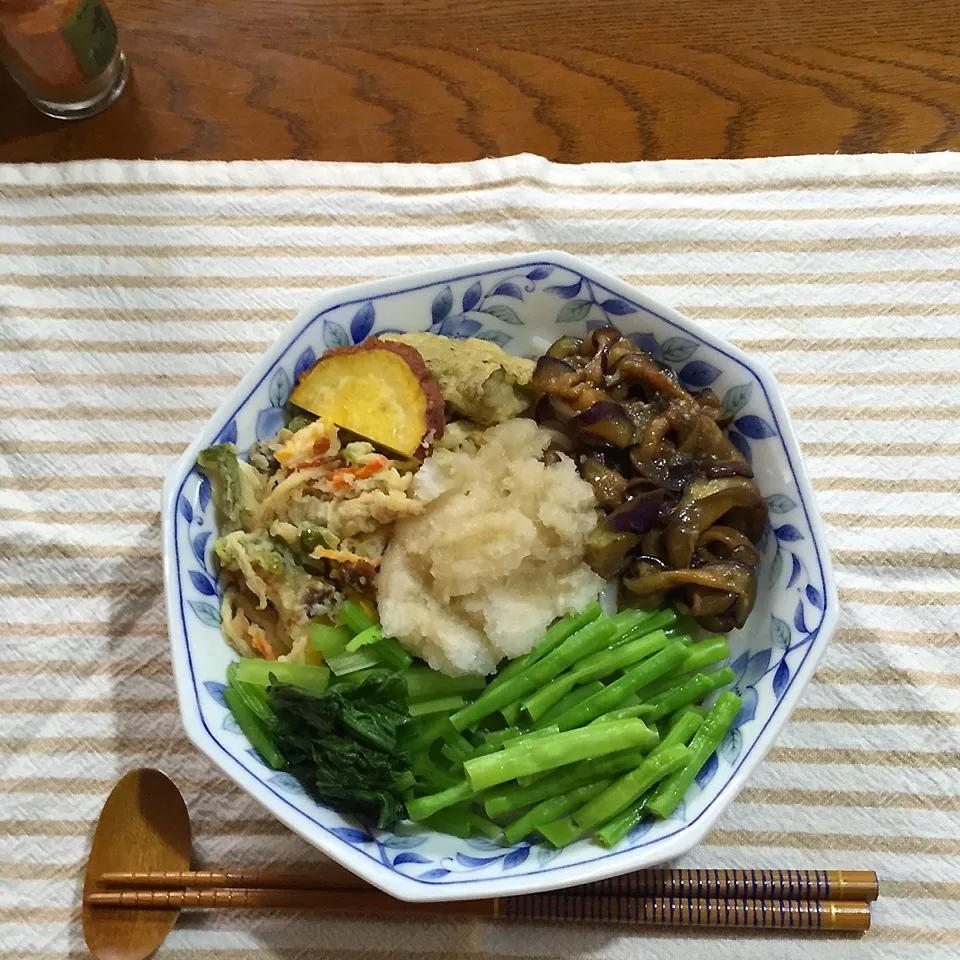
(139, 829)
(436, 80)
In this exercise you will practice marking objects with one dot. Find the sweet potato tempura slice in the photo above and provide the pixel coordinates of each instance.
(380, 391)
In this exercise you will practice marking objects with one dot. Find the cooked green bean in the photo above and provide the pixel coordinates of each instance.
(422, 807)
(581, 644)
(705, 741)
(514, 797)
(621, 793)
(693, 689)
(575, 696)
(611, 696)
(641, 710)
(526, 738)
(680, 732)
(599, 664)
(551, 809)
(555, 751)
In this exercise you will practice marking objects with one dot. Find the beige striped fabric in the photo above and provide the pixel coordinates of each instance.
(132, 296)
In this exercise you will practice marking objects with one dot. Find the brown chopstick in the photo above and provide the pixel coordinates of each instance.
(327, 878)
(794, 885)
(650, 911)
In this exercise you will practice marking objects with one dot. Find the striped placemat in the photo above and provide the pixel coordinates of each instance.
(133, 295)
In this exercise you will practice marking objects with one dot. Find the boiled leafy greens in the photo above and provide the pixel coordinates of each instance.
(341, 743)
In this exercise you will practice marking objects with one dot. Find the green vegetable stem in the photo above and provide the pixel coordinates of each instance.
(705, 741)
(611, 696)
(580, 644)
(556, 751)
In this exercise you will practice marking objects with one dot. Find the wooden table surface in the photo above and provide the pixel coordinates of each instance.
(573, 80)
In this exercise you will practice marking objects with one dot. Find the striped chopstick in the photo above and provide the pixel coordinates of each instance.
(806, 885)
(809, 885)
(798, 915)
(755, 899)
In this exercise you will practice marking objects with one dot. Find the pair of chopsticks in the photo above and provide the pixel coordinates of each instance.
(834, 900)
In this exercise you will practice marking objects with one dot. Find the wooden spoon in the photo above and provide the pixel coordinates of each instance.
(144, 825)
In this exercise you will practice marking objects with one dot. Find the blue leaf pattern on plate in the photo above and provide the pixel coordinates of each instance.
(459, 328)
(362, 323)
(215, 690)
(482, 843)
(748, 710)
(204, 491)
(402, 858)
(539, 273)
(739, 666)
(400, 842)
(647, 341)
(269, 421)
(813, 595)
(206, 613)
(756, 667)
(472, 297)
(202, 583)
(795, 569)
(780, 503)
(574, 311)
(279, 387)
(334, 335)
(679, 350)
(639, 831)
(229, 433)
(798, 620)
(698, 374)
(437, 874)
(788, 533)
(764, 538)
(186, 511)
(503, 313)
(566, 292)
(754, 427)
(707, 771)
(508, 290)
(619, 308)
(515, 857)
(442, 304)
(495, 336)
(546, 854)
(736, 398)
(741, 443)
(781, 679)
(351, 835)
(304, 362)
(199, 547)
(776, 568)
(286, 782)
(467, 861)
(779, 632)
(731, 746)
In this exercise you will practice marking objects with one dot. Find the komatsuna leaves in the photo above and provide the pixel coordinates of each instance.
(341, 743)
